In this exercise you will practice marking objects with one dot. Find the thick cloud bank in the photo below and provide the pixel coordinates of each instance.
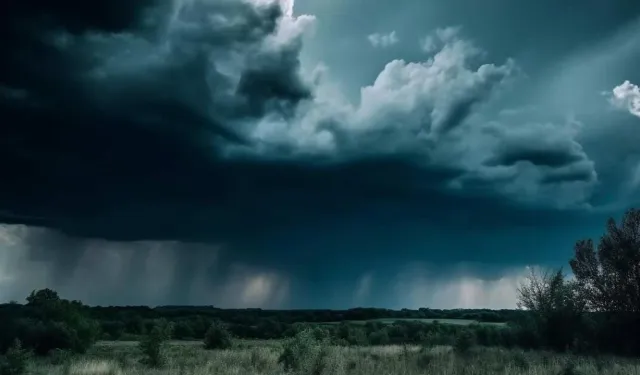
(159, 124)
(423, 112)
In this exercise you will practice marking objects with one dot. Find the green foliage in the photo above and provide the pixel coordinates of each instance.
(608, 277)
(557, 313)
(304, 354)
(465, 341)
(15, 360)
(351, 335)
(597, 313)
(48, 322)
(380, 337)
(569, 369)
(153, 345)
(218, 337)
(183, 330)
(520, 361)
(608, 281)
(60, 356)
(259, 361)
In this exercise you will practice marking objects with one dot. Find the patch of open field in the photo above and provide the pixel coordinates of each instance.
(442, 321)
(118, 358)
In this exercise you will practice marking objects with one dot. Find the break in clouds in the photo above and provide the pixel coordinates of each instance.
(177, 123)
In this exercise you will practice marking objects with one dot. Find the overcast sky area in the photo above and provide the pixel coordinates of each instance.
(322, 154)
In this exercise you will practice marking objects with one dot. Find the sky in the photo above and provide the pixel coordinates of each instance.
(316, 154)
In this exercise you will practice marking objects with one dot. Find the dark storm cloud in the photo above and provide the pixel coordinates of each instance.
(105, 110)
(538, 155)
(191, 123)
(187, 61)
(559, 157)
(177, 131)
(76, 16)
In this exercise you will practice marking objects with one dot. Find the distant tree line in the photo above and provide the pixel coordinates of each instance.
(192, 322)
(596, 311)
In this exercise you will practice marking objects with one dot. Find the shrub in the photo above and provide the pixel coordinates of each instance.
(15, 360)
(569, 369)
(153, 345)
(59, 356)
(520, 361)
(380, 337)
(424, 359)
(464, 342)
(303, 354)
(217, 337)
(259, 361)
(48, 322)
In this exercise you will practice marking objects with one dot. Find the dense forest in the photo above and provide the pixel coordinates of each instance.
(596, 311)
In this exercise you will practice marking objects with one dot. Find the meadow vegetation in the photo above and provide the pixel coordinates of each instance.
(310, 357)
(588, 324)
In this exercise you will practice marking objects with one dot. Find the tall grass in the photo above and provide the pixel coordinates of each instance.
(260, 359)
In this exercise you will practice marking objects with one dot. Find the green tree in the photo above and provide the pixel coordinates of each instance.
(609, 277)
(217, 337)
(608, 280)
(15, 360)
(48, 322)
(303, 354)
(557, 310)
(183, 330)
(380, 337)
(153, 345)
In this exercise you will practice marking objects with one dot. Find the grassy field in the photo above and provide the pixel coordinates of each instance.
(253, 358)
(442, 321)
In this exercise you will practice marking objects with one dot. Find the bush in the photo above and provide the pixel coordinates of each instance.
(60, 356)
(464, 342)
(217, 337)
(569, 369)
(259, 360)
(153, 345)
(380, 337)
(15, 360)
(304, 354)
(48, 322)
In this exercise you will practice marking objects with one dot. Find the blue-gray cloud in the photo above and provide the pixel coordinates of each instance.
(202, 131)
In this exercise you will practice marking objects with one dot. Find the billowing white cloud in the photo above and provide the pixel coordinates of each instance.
(412, 104)
(627, 97)
(426, 109)
(383, 40)
(432, 42)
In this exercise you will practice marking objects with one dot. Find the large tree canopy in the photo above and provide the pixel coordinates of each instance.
(609, 276)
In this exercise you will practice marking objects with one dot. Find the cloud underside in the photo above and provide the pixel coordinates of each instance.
(204, 99)
(100, 272)
(194, 121)
(131, 273)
